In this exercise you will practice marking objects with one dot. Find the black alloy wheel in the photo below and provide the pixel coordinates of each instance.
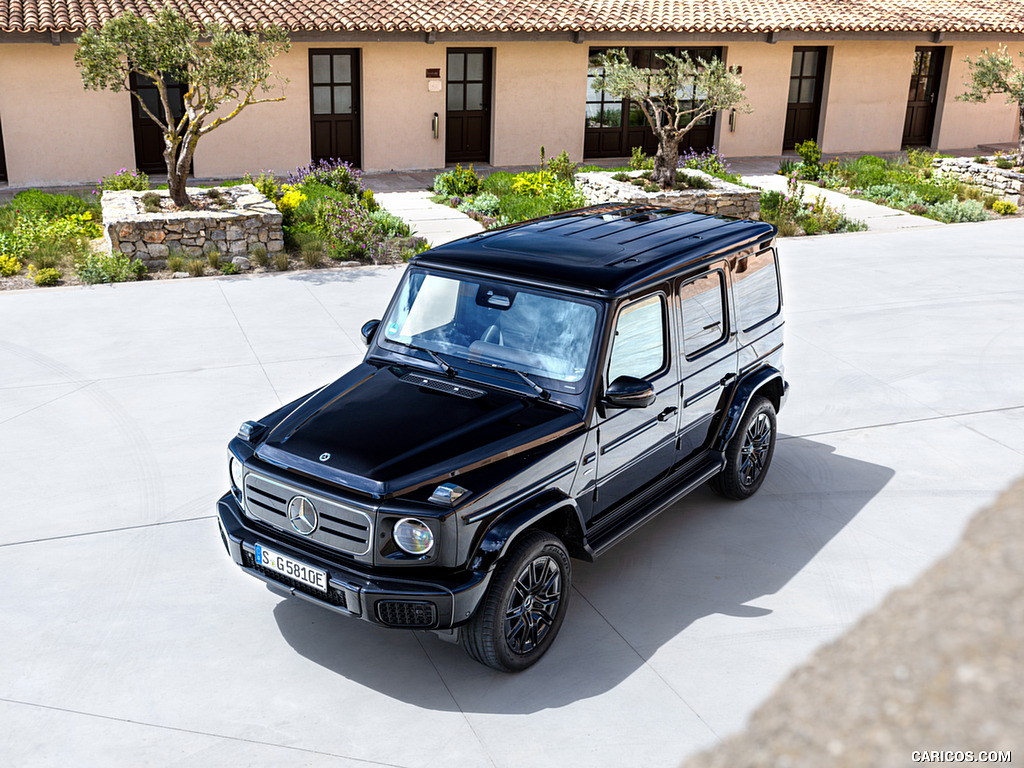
(749, 453)
(524, 606)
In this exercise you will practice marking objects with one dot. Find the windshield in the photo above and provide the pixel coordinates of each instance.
(495, 323)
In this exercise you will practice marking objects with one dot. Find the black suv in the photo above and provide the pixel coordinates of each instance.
(532, 393)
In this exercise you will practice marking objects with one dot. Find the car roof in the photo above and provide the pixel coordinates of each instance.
(607, 250)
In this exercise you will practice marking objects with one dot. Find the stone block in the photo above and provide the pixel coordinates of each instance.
(126, 247)
(235, 233)
(158, 250)
(275, 246)
(154, 236)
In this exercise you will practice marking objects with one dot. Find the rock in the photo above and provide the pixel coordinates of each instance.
(347, 263)
(177, 275)
(126, 248)
(275, 246)
(154, 236)
(242, 263)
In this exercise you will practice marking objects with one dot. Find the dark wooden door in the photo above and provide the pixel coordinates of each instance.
(3, 161)
(615, 126)
(334, 104)
(806, 81)
(468, 117)
(149, 138)
(924, 88)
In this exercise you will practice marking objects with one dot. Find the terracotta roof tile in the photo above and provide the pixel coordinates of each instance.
(595, 16)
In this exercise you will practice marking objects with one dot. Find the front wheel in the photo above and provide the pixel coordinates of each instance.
(749, 453)
(524, 605)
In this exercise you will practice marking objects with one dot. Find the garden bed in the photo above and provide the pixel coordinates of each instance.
(251, 223)
(722, 198)
(1006, 183)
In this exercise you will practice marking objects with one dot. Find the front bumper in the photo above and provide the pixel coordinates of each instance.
(402, 603)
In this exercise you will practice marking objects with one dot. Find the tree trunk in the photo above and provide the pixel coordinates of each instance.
(665, 161)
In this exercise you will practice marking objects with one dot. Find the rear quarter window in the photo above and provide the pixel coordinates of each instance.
(756, 289)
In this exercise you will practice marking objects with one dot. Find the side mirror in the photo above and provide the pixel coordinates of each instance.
(368, 330)
(630, 392)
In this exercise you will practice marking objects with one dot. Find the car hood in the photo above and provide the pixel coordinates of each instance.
(383, 432)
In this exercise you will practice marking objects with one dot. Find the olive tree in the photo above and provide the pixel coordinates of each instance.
(994, 73)
(673, 97)
(224, 71)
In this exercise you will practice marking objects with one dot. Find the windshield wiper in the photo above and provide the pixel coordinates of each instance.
(447, 368)
(544, 394)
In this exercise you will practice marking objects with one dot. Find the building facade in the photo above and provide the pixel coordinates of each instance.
(498, 88)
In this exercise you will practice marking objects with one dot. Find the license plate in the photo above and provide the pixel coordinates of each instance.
(293, 569)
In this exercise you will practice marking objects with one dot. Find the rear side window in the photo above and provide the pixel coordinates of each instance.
(756, 289)
(703, 305)
(639, 346)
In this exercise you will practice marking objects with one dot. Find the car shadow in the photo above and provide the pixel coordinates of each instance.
(703, 556)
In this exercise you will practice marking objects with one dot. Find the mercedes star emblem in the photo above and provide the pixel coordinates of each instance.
(302, 515)
(324, 456)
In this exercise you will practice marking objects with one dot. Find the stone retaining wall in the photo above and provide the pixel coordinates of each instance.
(723, 199)
(1007, 184)
(253, 222)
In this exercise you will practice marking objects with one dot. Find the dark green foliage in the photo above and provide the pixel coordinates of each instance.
(34, 201)
(499, 183)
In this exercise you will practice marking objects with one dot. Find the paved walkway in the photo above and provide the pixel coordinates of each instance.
(437, 223)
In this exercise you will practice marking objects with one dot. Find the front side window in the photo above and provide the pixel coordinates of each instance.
(756, 287)
(638, 348)
(495, 323)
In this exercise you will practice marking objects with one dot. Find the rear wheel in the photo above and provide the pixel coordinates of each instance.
(524, 606)
(749, 453)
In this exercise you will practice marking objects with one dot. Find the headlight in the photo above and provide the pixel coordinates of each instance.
(413, 536)
(235, 469)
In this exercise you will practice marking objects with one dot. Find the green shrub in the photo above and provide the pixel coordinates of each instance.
(711, 162)
(692, 181)
(499, 183)
(124, 179)
(788, 166)
(368, 201)
(48, 276)
(259, 256)
(536, 183)
(35, 202)
(810, 154)
(623, 177)
(1004, 207)
(336, 174)
(981, 160)
(1002, 162)
(281, 261)
(390, 225)
(213, 257)
(484, 203)
(513, 208)
(459, 182)
(176, 263)
(810, 225)
(108, 268)
(562, 167)
(229, 269)
(638, 161)
(312, 257)
(9, 265)
(956, 211)
(266, 184)
(151, 202)
(195, 267)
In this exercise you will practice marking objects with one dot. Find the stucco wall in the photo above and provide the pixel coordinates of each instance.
(540, 93)
(868, 89)
(765, 72)
(55, 131)
(964, 124)
(273, 136)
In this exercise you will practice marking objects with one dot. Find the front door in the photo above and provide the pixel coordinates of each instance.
(636, 444)
(924, 88)
(468, 117)
(149, 137)
(806, 81)
(707, 355)
(334, 104)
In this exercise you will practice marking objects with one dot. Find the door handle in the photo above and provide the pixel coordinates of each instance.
(727, 378)
(664, 415)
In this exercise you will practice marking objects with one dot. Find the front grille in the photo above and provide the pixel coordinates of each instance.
(332, 596)
(339, 526)
(406, 614)
(440, 385)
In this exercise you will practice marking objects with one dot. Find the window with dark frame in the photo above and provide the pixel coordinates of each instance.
(639, 346)
(756, 289)
(702, 303)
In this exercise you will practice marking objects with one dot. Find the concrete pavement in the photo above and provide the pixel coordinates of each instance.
(131, 639)
(439, 224)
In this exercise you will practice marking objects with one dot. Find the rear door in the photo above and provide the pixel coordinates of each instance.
(706, 350)
(636, 444)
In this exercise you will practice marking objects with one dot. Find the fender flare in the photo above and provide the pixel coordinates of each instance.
(511, 523)
(743, 392)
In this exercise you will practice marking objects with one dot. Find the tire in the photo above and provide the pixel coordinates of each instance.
(524, 605)
(749, 453)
